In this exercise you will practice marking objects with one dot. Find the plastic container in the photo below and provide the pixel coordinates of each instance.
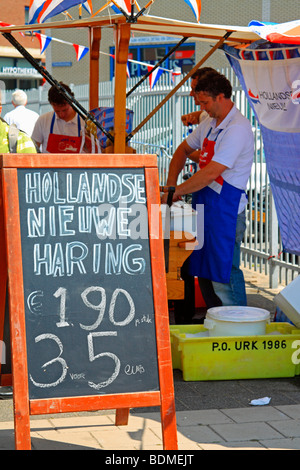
(183, 218)
(106, 117)
(236, 321)
(288, 300)
(201, 357)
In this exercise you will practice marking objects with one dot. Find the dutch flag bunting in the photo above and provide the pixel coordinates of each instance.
(44, 41)
(80, 51)
(154, 77)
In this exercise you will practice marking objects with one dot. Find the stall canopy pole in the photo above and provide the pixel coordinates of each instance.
(69, 98)
(122, 45)
(95, 38)
(191, 72)
(156, 66)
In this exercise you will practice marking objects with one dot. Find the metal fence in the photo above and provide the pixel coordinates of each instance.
(261, 248)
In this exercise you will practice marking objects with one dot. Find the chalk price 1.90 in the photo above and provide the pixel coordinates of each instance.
(91, 336)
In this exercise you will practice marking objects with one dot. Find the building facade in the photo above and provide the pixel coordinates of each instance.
(15, 71)
(61, 59)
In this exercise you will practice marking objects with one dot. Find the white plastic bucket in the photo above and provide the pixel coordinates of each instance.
(236, 321)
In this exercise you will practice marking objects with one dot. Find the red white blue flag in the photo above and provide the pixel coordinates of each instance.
(196, 7)
(282, 33)
(154, 77)
(44, 41)
(124, 4)
(80, 51)
(41, 10)
(88, 6)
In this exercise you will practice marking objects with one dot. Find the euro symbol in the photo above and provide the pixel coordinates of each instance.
(33, 302)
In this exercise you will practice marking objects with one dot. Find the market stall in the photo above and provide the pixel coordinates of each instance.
(121, 26)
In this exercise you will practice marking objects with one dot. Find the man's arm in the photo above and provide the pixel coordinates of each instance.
(201, 179)
(182, 152)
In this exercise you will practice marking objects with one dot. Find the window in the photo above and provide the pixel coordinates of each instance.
(183, 58)
(26, 12)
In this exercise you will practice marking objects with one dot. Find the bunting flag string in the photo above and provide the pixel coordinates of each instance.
(81, 51)
(3, 24)
(44, 41)
(154, 77)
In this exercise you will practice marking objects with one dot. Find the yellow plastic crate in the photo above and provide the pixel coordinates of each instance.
(276, 354)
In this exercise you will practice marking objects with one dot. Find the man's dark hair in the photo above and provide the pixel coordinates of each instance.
(201, 72)
(54, 96)
(213, 84)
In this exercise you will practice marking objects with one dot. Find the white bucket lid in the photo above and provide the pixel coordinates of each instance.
(238, 314)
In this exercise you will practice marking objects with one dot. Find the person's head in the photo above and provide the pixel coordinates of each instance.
(196, 77)
(213, 91)
(19, 98)
(59, 104)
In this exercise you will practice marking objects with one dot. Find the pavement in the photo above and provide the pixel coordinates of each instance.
(210, 415)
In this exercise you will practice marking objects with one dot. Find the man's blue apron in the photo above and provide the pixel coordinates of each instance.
(221, 201)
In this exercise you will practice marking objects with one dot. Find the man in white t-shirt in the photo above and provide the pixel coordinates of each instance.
(23, 118)
(60, 130)
(226, 141)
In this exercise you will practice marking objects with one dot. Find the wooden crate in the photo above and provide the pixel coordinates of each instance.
(181, 246)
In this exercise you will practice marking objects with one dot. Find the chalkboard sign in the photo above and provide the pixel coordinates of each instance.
(90, 326)
(88, 302)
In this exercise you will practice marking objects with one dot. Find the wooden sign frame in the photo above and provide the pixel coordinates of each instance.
(23, 406)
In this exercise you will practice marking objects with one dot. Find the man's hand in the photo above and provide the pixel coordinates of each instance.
(164, 196)
(191, 118)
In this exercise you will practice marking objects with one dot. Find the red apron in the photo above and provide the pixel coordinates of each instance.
(207, 152)
(220, 202)
(58, 143)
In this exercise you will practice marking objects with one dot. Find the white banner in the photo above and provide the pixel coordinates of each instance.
(273, 86)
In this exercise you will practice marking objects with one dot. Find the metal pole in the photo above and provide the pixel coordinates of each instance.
(69, 98)
(191, 72)
(274, 243)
